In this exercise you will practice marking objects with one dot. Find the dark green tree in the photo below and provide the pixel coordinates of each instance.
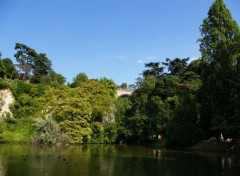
(54, 79)
(153, 70)
(183, 129)
(3, 69)
(176, 66)
(123, 85)
(32, 66)
(41, 67)
(25, 58)
(219, 46)
(11, 72)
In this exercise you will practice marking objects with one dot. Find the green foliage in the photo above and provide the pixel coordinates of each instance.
(11, 72)
(25, 58)
(174, 104)
(71, 109)
(99, 98)
(47, 132)
(7, 118)
(155, 101)
(121, 114)
(41, 68)
(219, 47)
(3, 84)
(183, 129)
(3, 69)
(154, 70)
(124, 85)
(53, 79)
(36, 67)
(19, 132)
(177, 66)
(110, 133)
(110, 86)
(79, 80)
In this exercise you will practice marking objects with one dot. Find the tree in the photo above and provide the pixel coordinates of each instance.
(53, 79)
(99, 98)
(176, 66)
(41, 67)
(102, 103)
(3, 69)
(219, 46)
(183, 129)
(109, 85)
(10, 68)
(71, 109)
(25, 58)
(154, 69)
(79, 80)
(187, 73)
(32, 66)
(123, 85)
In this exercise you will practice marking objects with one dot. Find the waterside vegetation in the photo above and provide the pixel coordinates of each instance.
(180, 100)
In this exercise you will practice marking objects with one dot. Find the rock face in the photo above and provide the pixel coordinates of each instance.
(6, 98)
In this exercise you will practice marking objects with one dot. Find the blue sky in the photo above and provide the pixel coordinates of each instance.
(105, 38)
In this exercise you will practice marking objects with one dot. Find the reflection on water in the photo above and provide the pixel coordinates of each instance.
(157, 153)
(3, 167)
(110, 160)
(227, 161)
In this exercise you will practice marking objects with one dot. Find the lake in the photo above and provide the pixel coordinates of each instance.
(119, 160)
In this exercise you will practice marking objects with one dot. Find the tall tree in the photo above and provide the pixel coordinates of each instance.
(2, 69)
(219, 46)
(32, 66)
(25, 58)
(183, 129)
(176, 66)
(153, 70)
(41, 67)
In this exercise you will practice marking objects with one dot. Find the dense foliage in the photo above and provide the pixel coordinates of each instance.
(220, 50)
(179, 100)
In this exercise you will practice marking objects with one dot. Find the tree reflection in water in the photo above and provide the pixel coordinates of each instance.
(3, 167)
(108, 160)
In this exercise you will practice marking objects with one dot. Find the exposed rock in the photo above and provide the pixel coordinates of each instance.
(6, 99)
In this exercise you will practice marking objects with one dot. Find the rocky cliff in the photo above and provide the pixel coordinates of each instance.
(6, 99)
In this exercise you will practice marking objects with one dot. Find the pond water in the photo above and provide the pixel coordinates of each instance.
(104, 160)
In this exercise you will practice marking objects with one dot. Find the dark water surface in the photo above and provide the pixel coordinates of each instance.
(122, 160)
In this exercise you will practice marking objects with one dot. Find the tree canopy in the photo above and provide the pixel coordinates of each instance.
(219, 46)
(179, 100)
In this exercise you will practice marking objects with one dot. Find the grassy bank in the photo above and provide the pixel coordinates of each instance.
(210, 146)
(154, 143)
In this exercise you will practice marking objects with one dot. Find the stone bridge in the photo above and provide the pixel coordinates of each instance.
(123, 92)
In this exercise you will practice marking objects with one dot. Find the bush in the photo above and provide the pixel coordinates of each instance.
(47, 132)
(3, 84)
(19, 132)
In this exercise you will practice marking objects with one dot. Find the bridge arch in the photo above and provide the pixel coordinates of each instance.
(124, 92)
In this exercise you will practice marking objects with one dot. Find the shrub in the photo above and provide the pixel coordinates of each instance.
(3, 84)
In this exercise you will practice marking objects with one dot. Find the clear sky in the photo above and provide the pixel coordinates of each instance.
(105, 38)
